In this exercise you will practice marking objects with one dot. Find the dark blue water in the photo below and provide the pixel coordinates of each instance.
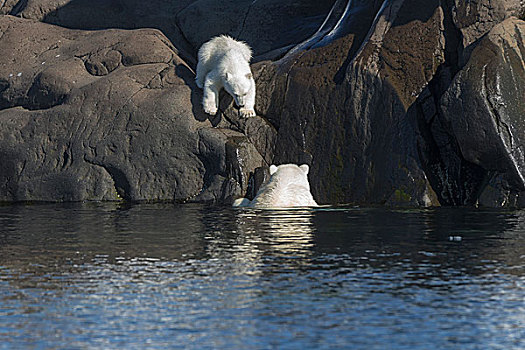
(203, 277)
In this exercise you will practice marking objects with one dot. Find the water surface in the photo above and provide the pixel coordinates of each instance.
(203, 277)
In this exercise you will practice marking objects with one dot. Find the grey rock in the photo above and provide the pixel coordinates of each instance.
(106, 115)
(104, 14)
(267, 26)
(484, 108)
(339, 103)
(402, 103)
(477, 17)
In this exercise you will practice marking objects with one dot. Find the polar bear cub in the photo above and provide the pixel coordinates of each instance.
(288, 186)
(225, 63)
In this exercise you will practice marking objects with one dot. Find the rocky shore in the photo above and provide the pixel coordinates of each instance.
(401, 103)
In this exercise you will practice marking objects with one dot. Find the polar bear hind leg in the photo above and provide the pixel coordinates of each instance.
(205, 61)
(200, 75)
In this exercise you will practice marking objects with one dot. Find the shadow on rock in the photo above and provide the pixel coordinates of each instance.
(196, 98)
(196, 94)
(105, 14)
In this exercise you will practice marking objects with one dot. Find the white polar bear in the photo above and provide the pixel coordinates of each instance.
(288, 186)
(225, 63)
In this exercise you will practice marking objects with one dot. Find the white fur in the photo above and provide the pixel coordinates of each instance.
(288, 186)
(225, 63)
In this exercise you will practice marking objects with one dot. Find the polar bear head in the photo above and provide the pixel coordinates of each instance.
(287, 187)
(239, 85)
(291, 174)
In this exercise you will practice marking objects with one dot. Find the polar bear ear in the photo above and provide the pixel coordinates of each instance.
(249, 76)
(273, 169)
(305, 168)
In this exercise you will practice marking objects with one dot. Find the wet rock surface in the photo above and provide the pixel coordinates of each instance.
(489, 95)
(402, 103)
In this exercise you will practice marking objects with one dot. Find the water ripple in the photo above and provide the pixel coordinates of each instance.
(195, 276)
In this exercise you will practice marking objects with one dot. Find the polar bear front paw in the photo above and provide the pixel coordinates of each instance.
(245, 113)
(212, 110)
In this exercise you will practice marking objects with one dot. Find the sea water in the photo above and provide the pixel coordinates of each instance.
(151, 276)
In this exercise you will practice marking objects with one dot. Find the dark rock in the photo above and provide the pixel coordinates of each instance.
(188, 23)
(266, 25)
(71, 133)
(405, 102)
(484, 108)
(470, 145)
(103, 63)
(340, 106)
(477, 17)
(260, 176)
(104, 14)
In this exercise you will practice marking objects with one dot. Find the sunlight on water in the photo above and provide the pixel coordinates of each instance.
(197, 276)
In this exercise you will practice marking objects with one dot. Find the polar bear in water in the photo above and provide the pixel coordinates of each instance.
(225, 63)
(288, 186)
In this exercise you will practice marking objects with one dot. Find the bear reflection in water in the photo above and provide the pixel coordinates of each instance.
(277, 232)
(260, 242)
